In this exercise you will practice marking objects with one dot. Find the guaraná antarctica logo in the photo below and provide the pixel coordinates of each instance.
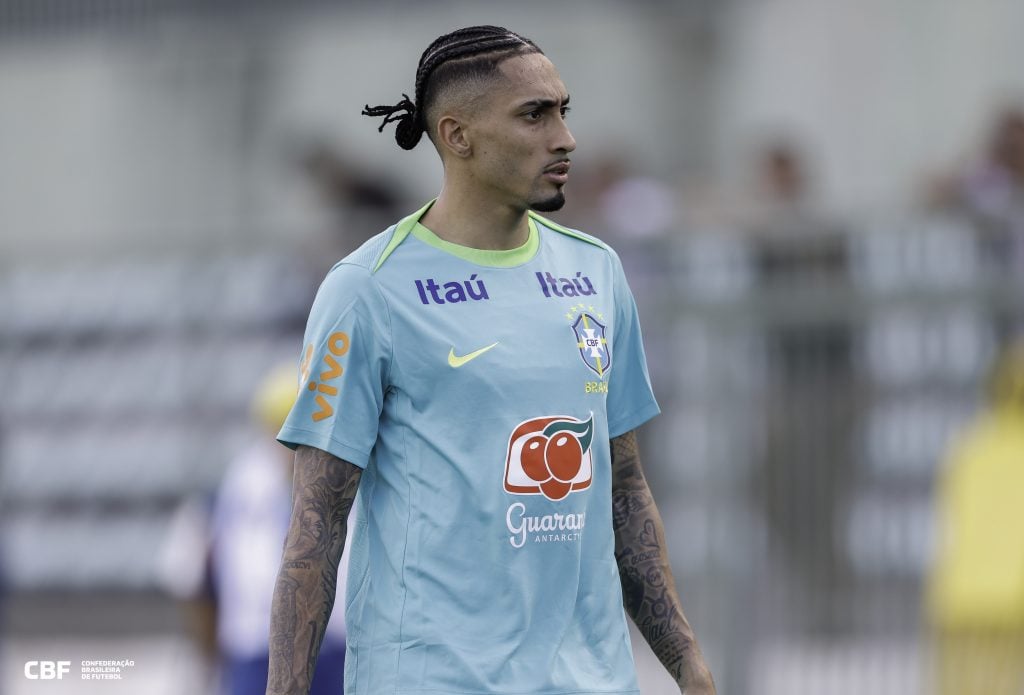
(549, 456)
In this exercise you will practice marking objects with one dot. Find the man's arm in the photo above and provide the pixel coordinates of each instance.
(324, 487)
(648, 588)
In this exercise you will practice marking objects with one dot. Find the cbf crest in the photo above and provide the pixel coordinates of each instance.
(592, 339)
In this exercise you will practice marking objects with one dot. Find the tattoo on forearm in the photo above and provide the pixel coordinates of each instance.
(648, 588)
(324, 489)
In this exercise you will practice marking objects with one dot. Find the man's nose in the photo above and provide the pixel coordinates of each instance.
(564, 141)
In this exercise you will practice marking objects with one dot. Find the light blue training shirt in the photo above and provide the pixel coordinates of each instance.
(478, 390)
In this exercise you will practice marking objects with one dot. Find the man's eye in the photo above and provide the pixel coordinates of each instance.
(565, 111)
(534, 115)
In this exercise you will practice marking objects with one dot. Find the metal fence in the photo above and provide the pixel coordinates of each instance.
(809, 384)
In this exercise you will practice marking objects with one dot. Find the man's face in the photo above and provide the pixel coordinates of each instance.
(520, 141)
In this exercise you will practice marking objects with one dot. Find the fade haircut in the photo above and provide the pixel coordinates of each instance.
(465, 55)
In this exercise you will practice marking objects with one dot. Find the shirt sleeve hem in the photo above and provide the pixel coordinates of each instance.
(293, 437)
(633, 420)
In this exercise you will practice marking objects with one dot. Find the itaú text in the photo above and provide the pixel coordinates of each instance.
(522, 526)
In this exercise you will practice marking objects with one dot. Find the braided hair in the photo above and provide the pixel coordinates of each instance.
(462, 54)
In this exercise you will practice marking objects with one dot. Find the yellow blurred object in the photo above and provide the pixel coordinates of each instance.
(978, 580)
(1006, 385)
(979, 663)
(275, 396)
(976, 588)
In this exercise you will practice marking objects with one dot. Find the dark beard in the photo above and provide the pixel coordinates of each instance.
(551, 204)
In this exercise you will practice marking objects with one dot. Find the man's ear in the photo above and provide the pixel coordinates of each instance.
(452, 137)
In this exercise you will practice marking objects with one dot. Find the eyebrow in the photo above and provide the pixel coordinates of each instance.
(544, 103)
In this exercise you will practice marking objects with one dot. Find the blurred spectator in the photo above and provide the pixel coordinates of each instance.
(619, 206)
(975, 593)
(361, 202)
(782, 200)
(226, 571)
(803, 485)
(991, 191)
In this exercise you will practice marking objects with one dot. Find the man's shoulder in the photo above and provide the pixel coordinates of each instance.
(568, 233)
(368, 253)
(580, 240)
(352, 277)
(360, 266)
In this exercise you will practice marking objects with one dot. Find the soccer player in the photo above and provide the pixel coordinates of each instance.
(476, 372)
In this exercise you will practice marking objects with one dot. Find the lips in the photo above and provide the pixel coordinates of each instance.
(558, 172)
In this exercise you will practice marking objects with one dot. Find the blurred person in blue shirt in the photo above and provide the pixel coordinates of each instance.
(222, 556)
(248, 529)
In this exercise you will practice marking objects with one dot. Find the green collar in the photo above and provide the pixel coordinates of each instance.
(485, 257)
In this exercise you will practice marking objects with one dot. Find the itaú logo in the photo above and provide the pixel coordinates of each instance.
(431, 292)
(550, 456)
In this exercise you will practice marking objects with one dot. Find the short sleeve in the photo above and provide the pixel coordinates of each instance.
(343, 368)
(631, 400)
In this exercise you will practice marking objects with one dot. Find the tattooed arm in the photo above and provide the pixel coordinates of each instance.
(323, 489)
(648, 588)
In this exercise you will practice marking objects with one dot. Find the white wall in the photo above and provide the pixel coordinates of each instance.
(883, 91)
(180, 134)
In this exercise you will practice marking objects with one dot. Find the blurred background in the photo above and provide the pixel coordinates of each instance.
(820, 206)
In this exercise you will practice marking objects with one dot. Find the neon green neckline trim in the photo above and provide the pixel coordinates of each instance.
(402, 230)
(486, 257)
(494, 258)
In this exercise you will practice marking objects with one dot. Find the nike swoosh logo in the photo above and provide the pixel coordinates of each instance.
(456, 361)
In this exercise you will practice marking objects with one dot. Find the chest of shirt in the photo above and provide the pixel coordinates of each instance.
(524, 333)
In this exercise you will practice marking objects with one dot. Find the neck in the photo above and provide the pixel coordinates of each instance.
(474, 220)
